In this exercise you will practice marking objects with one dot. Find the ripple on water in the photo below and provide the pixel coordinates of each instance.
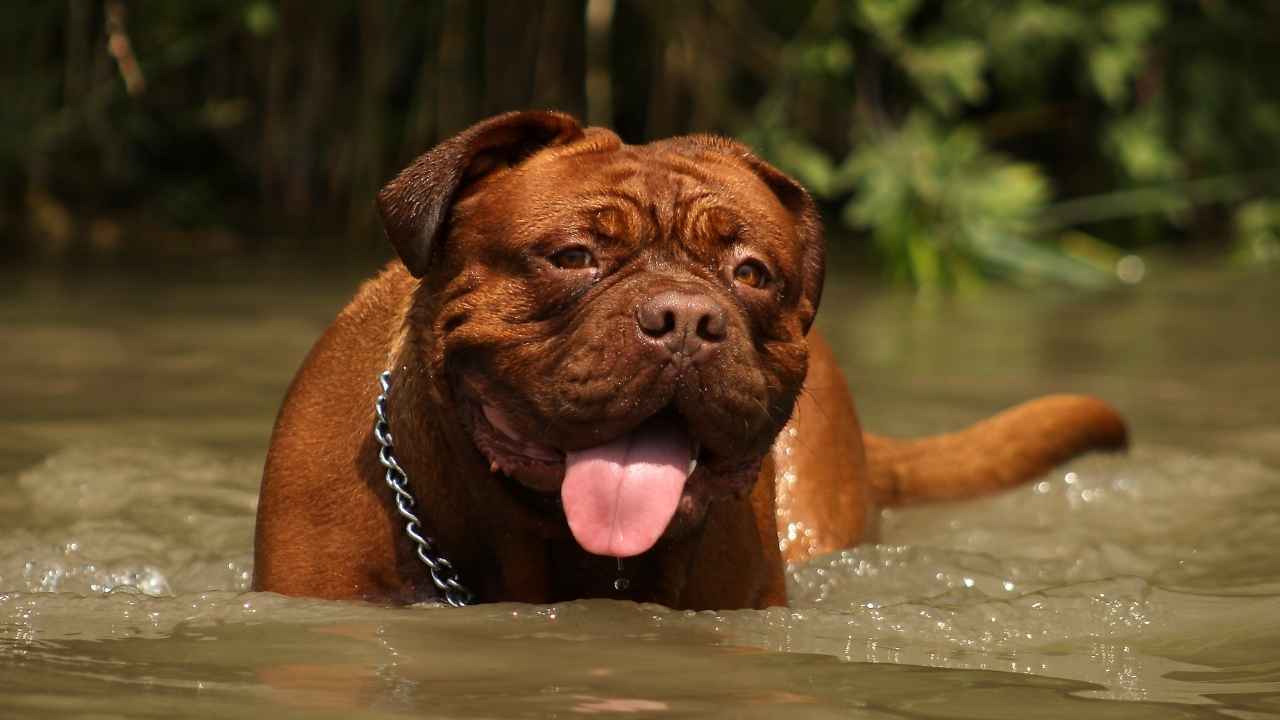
(156, 519)
(1145, 561)
(1140, 575)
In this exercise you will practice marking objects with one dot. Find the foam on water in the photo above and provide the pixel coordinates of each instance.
(156, 519)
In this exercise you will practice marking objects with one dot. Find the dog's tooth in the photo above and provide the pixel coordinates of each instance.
(493, 466)
(693, 462)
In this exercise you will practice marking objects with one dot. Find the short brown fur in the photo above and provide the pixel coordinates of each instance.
(473, 311)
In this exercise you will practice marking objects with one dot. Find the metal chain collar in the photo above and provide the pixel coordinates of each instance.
(443, 574)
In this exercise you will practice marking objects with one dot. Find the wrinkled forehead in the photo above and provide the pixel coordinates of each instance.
(647, 193)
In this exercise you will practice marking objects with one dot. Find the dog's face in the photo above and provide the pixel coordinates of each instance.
(623, 327)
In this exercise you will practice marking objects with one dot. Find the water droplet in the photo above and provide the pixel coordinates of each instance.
(1131, 269)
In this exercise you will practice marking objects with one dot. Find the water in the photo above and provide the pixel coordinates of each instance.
(134, 413)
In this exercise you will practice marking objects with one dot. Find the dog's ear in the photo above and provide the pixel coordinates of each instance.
(415, 205)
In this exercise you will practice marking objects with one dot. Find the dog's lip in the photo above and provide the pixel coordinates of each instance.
(527, 449)
(540, 467)
(532, 467)
(534, 471)
(533, 450)
(535, 479)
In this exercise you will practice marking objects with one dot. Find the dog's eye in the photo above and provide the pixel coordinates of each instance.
(752, 274)
(574, 258)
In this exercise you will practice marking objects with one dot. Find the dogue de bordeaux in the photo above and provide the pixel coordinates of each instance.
(601, 351)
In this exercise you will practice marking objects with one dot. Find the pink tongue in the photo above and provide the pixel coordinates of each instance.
(620, 496)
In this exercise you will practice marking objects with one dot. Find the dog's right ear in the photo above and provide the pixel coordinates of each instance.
(415, 205)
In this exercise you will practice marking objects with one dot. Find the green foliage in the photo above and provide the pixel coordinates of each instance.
(946, 210)
(1118, 44)
(1258, 232)
(1134, 98)
(964, 140)
(261, 17)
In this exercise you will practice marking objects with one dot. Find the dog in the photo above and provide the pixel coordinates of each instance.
(604, 381)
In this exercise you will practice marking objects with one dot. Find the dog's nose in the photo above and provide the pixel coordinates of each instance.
(682, 322)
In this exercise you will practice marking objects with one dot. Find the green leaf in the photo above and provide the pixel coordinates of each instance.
(885, 18)
(1257, 230)
(948, 73)
(1030, 260)
(926, 263)
(1127, 29)
(1138, 143)
(1110, 67)
(261, 18)
(1133, 22)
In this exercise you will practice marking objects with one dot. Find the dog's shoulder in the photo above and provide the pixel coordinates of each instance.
(382, 296)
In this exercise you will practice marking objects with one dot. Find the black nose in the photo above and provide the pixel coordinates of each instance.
(682, 322)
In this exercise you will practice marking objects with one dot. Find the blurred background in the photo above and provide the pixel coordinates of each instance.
(1021, 197)
(949, 143)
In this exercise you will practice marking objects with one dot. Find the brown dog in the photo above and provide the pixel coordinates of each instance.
(602, 351)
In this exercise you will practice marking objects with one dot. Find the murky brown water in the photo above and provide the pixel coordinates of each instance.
(135, 408)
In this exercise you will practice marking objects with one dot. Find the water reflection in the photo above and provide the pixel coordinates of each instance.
(246, 654)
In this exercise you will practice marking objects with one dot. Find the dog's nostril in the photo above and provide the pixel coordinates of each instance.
(668, 322)
(711, 326)
(656, 319)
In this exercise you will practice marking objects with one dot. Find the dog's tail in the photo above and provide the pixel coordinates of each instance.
(996, 453)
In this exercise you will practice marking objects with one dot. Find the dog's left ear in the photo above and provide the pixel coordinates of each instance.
(415, 205)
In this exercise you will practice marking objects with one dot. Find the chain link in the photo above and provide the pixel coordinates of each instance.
(443, 574)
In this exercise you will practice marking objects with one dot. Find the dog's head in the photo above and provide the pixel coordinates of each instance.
(623, 326)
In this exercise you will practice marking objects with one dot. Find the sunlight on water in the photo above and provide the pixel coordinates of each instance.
(1115, 571)
(154, 519)
(1147, 581)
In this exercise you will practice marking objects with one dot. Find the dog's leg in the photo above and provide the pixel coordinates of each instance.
(999, 452)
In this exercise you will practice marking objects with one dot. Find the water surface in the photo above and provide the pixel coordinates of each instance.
(134, 413)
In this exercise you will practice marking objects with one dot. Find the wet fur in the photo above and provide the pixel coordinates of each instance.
(470, 312)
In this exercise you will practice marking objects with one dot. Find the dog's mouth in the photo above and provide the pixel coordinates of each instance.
(621, 496)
